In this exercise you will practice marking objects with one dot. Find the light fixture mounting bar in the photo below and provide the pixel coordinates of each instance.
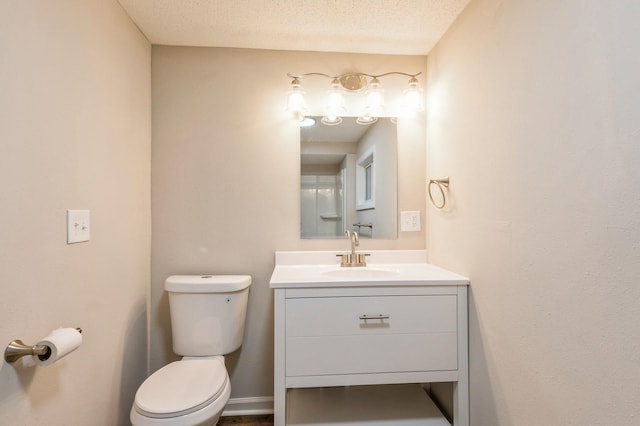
(291, 75)
(352, 81)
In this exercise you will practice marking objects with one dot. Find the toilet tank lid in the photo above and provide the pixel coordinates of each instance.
(206, 283)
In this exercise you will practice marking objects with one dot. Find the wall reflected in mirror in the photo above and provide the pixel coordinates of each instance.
(349, 179)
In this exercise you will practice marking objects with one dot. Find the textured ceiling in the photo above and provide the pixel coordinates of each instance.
(410, 27)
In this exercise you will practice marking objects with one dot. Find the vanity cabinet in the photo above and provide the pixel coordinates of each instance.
(369, 332)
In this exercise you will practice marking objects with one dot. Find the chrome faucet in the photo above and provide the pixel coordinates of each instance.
(353, 258)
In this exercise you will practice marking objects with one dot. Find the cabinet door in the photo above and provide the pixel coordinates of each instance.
(352, 335)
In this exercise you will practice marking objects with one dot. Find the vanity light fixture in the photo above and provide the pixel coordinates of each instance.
(352, 83)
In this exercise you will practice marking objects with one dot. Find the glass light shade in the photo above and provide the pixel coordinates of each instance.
(335, 103)
(366, 118)
(307, 121)
(331, 120)
(413, 96)
(295, 98)
(375, 97)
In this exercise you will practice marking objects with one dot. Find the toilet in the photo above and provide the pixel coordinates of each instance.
(207, 321)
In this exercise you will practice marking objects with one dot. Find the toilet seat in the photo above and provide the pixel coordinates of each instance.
(182, 387)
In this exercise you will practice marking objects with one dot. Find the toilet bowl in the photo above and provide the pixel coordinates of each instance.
(207, 321)
(189, 392)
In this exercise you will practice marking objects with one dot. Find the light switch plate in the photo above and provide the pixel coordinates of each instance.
(409, 221)
(78, 226)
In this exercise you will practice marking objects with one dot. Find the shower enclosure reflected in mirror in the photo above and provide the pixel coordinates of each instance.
(349, 177)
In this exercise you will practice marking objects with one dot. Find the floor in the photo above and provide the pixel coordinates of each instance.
(265, 420)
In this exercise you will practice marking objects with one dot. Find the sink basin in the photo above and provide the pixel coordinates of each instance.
(361, 273)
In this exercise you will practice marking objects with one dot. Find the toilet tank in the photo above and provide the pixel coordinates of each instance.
(207, 313)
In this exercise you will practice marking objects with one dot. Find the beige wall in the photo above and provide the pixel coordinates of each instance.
(535, 115)
(74, 134)
(225, 191)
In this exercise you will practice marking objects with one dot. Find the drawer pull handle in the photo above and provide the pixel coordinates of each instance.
(374, 317)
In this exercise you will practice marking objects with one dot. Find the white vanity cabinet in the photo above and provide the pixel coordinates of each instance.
(404, 328)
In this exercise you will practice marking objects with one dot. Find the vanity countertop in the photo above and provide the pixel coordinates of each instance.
(384, 268)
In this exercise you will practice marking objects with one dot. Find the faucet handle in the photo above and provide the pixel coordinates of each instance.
(353, 259)
(362, 258)
(345, 259)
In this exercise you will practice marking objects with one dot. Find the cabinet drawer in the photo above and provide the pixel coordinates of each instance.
(344, 315)
(329, 336)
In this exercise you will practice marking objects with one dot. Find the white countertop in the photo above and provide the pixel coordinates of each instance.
(384, 268)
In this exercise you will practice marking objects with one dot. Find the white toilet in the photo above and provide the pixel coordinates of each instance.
(207, 321)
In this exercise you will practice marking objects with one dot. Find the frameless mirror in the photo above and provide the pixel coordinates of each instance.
(349, 176)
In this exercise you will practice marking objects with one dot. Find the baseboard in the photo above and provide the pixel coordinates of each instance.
(249, 406)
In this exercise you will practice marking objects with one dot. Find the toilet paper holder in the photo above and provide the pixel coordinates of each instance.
(16, 349)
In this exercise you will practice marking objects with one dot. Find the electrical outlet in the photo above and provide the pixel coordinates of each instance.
(78, 226)
(409, 221)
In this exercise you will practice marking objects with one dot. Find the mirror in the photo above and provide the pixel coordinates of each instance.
(349, 176)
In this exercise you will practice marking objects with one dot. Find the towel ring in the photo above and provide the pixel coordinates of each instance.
(441, 184)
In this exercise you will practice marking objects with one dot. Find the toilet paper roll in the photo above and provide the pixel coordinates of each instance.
(61, 342)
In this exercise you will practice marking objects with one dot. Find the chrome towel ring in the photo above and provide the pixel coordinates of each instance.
(441, 183)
